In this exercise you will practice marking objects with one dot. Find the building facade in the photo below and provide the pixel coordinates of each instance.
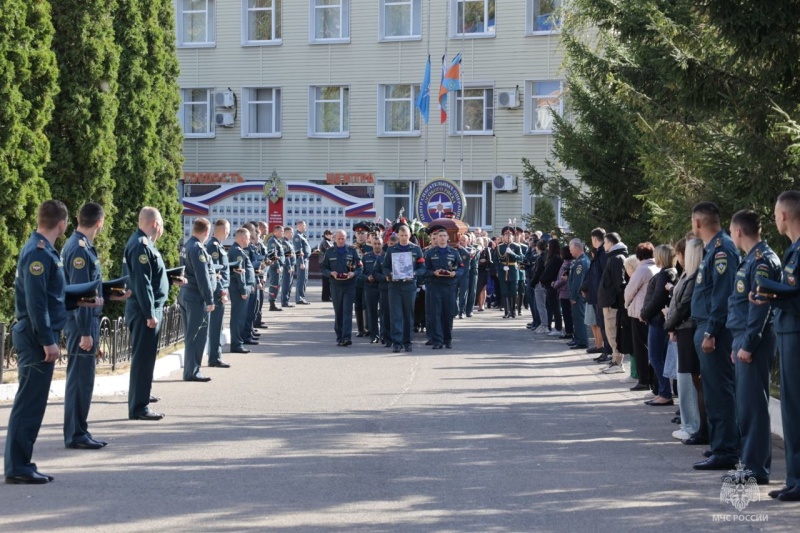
(311, 89)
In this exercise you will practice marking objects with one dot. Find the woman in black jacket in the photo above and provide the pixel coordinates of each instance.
(655, 301)
(485, 268)
(549, 275)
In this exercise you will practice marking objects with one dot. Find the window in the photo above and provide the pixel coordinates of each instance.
(397, 111)
(478, 211)
(400, 19)
(543, 100)
(262, 21)
(330, 21)
(261, 112)
(329, 111)
(195, 22)
(474, 112)
(195, 114)
(543, 16)
(551, 212)
(472, 18)
(398, 195)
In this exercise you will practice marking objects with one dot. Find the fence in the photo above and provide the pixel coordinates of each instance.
(114, 343)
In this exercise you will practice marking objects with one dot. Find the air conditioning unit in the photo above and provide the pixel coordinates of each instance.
(504, 182)
(508, 99)
(225, 120)
(224, 99)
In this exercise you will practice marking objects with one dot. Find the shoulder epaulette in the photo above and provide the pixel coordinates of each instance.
(82, 243)
(759, 254)
(718, 243)
(143, 240)
(41, 244)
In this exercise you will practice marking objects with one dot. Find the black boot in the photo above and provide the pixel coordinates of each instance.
(273, 307)
(519, 304)
(512, 302)
(360, 323)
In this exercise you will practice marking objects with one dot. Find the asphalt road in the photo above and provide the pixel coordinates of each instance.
(506, 432)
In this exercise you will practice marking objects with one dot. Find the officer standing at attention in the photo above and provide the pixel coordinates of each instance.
(39, 291)
(521, 281)
(403, 291)
(362, 247)
(302, 250)
(240, 290)
(324, 246)
(474, 255)
(754, 343)
(577, 276)
(196, 299)
(716, 278)
(219, 257)
(508, 256)
(383, 285)
(462, 281)
(787, 327)
(372, 293)
(342, 264)
(258, 243)
(255, 280)
(443, 265)
(275, 249)
(144, 310)
(81, 265)
(289, 267)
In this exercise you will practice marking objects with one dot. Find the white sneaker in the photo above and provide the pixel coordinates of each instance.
(554, 333)
(541, 329)
(628, 379)
(614, 368)
(680, 434)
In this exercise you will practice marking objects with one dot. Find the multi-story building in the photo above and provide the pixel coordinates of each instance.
(314, 88)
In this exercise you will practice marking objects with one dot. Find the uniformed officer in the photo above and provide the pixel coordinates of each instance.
(383, 285)
(372, 293)
(324, 246)
(254, 273)
(144, 310)
(753, 344)
(521, 281)
(362, 247)
(219, 257)
(716, 278)
(275, 249)
(342, 265)
(39, 288)
(289, 267)
(242, 279)
(403, 266)
(196, 299)
(260, 246)
(462, 280)
(443, 266)
(508, 256)
(81, 265)
(577, 275)
(303, 250)
(529, 262)
(474, 253)
(787, 327)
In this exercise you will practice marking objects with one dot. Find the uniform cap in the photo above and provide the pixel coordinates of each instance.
(435, 229)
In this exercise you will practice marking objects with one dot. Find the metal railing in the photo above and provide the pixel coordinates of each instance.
(114, 343)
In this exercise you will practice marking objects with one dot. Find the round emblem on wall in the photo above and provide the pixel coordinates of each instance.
(438, 199)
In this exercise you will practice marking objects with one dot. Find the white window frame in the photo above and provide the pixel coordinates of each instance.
(452, 105)
(416, 20)
(411, 196)
(211, 38)
(246, 9)
(210, 122)
(531, 12)
(247, 100)
(486, 195)
(529, 208)
(344, 5)
(530, 109)
(489, 32)
(343, 117)
(415, 114)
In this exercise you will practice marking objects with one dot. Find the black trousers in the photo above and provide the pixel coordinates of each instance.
(553, 307)
(639, 338)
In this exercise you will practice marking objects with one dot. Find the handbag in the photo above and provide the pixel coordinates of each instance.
(671, 362)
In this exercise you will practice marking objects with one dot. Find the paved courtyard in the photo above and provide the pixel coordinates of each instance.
(505, 432)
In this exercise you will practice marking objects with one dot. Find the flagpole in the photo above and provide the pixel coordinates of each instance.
(444, 65)
(461, 85)
(428, 38)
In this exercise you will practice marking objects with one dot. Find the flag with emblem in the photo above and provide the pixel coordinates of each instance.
(450, 83)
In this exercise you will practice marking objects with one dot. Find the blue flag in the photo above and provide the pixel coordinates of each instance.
(424, 99)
